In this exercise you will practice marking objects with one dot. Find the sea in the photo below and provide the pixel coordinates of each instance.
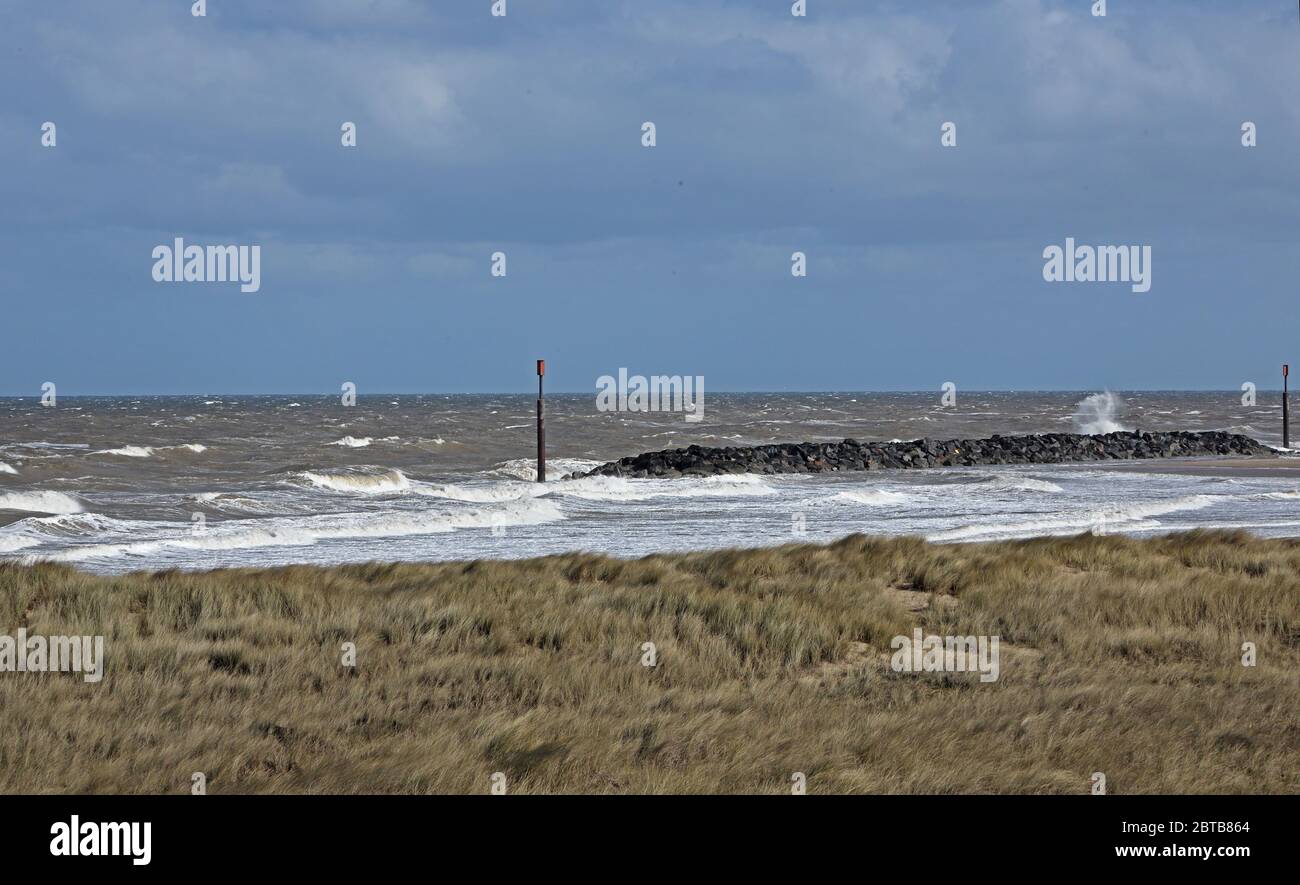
(122, 483)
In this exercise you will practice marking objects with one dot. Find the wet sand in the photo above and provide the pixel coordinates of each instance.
(1280, 466)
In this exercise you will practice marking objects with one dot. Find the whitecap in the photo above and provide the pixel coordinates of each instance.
(378, 482)
(129, 452)
(352, 442)
(40, 502)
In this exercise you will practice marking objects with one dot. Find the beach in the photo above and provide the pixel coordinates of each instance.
(1275, 467)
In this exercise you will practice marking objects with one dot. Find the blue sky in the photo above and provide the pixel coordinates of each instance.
(523, 134)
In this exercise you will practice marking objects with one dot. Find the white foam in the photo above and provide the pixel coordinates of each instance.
(1025, 484)
(352, 442)
(149, 451)
(40, 502)
(12, 543)
(5, 468)
(617, 488)
(306, 531)
(874, 498)
(1112, 518)
(526, 468)
(487, 493)
(355, 481)
(129, 452)
(50, 445)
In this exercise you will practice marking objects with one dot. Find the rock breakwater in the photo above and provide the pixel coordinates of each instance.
(1048, 448)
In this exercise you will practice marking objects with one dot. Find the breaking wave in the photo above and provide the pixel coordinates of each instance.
(299, 531)
(526, 468)
(129, 452)
(149, 451)
(1111, 518)
(352, 442)
(40, 502)
(369, 481)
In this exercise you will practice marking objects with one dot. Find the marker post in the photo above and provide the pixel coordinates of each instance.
(541, 425)
(1286, 422)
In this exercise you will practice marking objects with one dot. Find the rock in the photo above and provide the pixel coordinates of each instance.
(1052, 448)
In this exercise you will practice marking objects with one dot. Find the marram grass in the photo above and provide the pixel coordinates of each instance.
(1117, 655)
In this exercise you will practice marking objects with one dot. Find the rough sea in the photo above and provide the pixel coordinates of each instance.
(115, 484)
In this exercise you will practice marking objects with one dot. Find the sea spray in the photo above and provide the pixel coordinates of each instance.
(1098, 413)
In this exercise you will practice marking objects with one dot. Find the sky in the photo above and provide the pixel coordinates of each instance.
(523, 133)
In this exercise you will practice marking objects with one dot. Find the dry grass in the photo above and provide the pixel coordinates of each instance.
(1118, 655)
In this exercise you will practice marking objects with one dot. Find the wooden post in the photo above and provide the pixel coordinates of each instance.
(541, 425)
(1286, 422)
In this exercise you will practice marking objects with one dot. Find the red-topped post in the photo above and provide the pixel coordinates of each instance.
(541, 425)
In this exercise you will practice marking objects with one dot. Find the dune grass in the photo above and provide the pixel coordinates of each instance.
(1117, 655)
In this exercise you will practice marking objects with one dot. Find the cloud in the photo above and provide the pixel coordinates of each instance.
(775, 134)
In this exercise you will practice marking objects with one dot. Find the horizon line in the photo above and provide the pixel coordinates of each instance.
(592, 392)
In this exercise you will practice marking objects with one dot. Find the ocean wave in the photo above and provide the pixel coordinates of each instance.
(274, 503)
(1025, 484)
(47, 445)
(62, 526)
(306, 531)
(488, 493)
(874, 497)
(617, 488)
(40, 502)
(526, 468)
(352, 442)
(129, 452)
(150, 451)
(369, 481)
(1110, 518)
(599, 488)
(983, 484)
(14, 543)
